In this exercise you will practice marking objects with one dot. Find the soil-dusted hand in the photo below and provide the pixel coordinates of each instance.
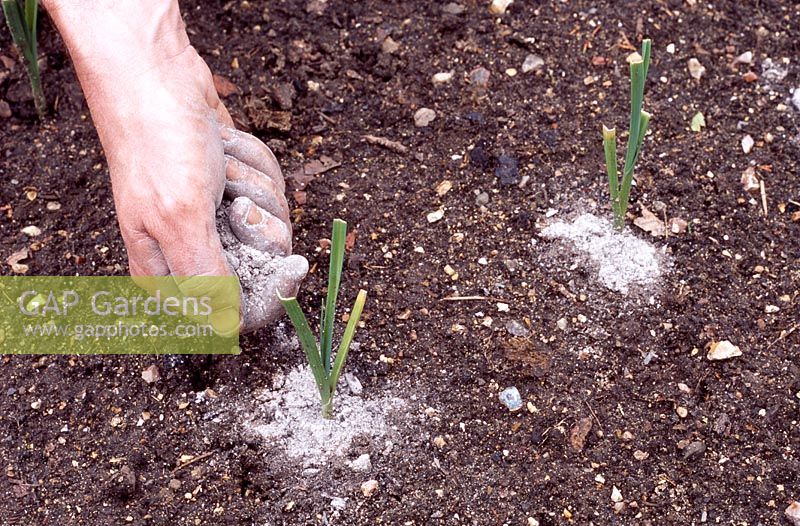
(259, 218)
(170, 144)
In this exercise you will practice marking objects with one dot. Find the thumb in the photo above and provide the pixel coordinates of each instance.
(262, 307)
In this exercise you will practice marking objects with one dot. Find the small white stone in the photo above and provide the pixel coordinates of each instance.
(423, 117)
(796, 98)
(498, 7)
(744, 58)
(696, 69)
(747, 143)
(532, 63)
(362, 464)
(354, 384)
(771, 309)
(793, 513)
(562, 324)
(435, 215)
(502, 307)
(338, 503)
(616, 494)
(369, 487)
(671, 49)
(723, 350)
(442, 78)
(32, 231)
(511, 72)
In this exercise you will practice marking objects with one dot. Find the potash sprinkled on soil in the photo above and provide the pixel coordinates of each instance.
(622, 260)
(298, 427)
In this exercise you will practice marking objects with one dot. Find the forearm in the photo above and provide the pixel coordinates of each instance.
(109, 38)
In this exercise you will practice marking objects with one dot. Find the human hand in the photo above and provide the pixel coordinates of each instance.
(170, 144)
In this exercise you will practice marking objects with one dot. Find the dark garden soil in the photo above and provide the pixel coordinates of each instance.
(682, 438)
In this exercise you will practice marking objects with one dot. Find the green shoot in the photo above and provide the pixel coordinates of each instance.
(21, 17)
(621, 190)
(326, 374)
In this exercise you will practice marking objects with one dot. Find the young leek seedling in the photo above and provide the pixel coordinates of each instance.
(21, 17)
(621, 190)
(326, 374)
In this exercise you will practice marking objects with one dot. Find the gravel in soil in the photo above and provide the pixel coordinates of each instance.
(460, 308)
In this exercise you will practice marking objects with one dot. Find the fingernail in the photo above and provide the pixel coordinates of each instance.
(254, 216)
(233, 171)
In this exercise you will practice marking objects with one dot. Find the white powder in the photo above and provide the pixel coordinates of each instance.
(297, 424)
(622, 259)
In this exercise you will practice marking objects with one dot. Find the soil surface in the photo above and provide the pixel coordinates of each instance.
(624, 419)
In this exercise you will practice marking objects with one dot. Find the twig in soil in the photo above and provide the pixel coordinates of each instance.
(386, 143)
(763, 197)
(593, 414)
(783, 335)
(198, 458)
(469, 298)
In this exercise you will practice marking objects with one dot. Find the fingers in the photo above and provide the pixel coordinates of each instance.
(259, 229)
(144, 255)
(252, 152)
(193, 252)
(267, 309)
(244, 180)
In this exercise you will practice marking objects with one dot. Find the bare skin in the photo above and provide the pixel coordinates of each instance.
(171, 145)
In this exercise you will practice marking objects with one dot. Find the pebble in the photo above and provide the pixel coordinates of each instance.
(532, 63)
(498, 7)
(616, 494)
(482, 199)
(53, 206)
(517, 329)
(362, 464)
(439, 441)
(793, 513)
(562, 324)
(744, 58)
(723, 351)
(390, 46)
(435, 216)
(682, 412)
(283, 94)
(747, 143)
(511, 398)
(696, 69)
(453, 8)
(442, 78)
(479, 77)
(694, 449)
(640, 455)
(507, 170)
(354, 384)
(423, 117)
(32, 231)
(369, 487)
(511, 72)
(338, 503)
(796, 98)
(151, 374)
(5, 110)
(773, 71)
